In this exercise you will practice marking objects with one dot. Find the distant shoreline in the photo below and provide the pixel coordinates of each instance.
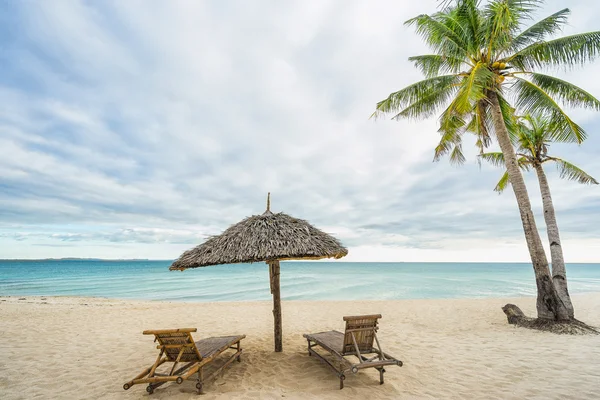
(80, 259)
(287, 261)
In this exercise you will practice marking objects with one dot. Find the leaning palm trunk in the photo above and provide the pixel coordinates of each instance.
(559, 273)
(548, 303)
(483, 51)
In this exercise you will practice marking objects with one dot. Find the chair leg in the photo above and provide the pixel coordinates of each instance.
(381, 372)
(342, 378)
(200, 382)
(239, 358)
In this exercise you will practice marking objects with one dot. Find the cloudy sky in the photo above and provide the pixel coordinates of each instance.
(135, 129)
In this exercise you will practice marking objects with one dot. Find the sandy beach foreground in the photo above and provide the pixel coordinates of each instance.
(85, 348)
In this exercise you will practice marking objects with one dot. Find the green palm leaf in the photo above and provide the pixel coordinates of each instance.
(502, 183)
(429, 104)
(540, 30)
(533, 99)
(452, 121)
(566, 92)
(451, 127)
(494, 158)
(432, 64)
(465, 18)
(414, 93)
(473, 88)
(502, 21)
(497, 160)
(448, 141)
(473, 36)
(566, 51)
(573, 172)
(480, 125)
(456, 156)
(438, 36)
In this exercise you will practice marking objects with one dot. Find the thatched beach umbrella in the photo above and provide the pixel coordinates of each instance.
(268, 237)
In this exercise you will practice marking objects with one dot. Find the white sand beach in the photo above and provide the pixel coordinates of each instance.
(85, 348)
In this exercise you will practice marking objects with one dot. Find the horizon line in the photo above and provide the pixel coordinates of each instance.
(287, 261)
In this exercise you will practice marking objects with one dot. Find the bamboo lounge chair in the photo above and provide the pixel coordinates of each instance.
(356, 341)
(177, 346)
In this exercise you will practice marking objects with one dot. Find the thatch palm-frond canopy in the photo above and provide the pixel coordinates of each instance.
(268, 237)
(263, 237)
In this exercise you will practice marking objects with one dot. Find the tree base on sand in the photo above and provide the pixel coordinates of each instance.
(569, 327)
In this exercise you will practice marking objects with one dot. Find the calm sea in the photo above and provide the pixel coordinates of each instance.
(299, 280)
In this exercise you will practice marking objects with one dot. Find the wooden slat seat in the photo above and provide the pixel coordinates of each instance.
(359, 340)
(209, 346)
(178, 347)
(332, 341)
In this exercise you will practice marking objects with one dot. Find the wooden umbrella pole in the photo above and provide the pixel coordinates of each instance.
(274, 273)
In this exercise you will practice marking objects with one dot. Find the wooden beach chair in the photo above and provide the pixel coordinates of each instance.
(357, 341)
(178, 347)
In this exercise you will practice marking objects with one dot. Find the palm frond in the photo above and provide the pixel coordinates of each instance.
(569, 94)
(502, 20)
(572, 172)
(567, 51)
(413, 93)
(528, 143)
(466, 17)
(480, 125)
(453, 18)
(452, 127)
(440, 38)
(473, 88)
(494, 158)
(533, 99)
(428, 104)
(449, 140)
(502, 183)
(540, 30)
(456, 156)
(450, 120)
(432, 65)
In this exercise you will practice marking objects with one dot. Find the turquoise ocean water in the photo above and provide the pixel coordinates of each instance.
(152, 280)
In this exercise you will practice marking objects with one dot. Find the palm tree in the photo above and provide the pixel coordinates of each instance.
(533, 140)
(482, 57)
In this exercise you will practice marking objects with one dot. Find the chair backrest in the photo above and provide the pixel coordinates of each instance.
(363, 328)
(176, 341)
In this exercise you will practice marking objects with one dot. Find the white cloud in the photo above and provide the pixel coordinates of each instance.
(134, 130)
